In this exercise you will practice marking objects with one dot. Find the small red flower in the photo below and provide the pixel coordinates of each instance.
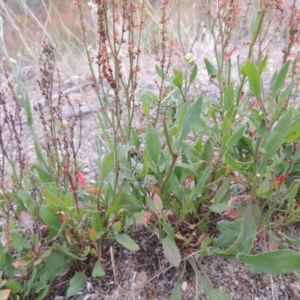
(63, 218)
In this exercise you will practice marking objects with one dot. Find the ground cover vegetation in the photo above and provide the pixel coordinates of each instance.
(234, 157)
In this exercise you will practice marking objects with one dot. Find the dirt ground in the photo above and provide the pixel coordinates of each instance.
(146, 274)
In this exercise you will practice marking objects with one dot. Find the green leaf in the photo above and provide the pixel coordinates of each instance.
(176, 293)
(230, 231)
(194, 74)
(262, 65)
(211, 70)
(171, 251)
(50, 218)
(208, 152)
(28, 111)
(8, 269)
(274, 262)
(226, 132)
(218, 207)
(277, 135)
(56, 263)
(199, 187)
(279, 81)
(76, 284)
(13, 285)
(126, 241)
(152, 143)
(235, 137)
(44, 174)
(294, 131)
(98, 270)
(178, 80)
(245, 68)
(228, 98)
(68, 252)
(286, 93)
(53, 199)
(159, 71)
(191, 117)
(221, 192)
(244, 242)
(236, 165)
(254, 80)
(107, 165)
(96, 221)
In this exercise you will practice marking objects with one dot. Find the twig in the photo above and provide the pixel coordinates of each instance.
(113, 263)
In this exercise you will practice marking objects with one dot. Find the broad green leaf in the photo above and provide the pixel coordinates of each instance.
(228, 98)
(176, 293)
(181, 112)
(208, 152)
(159, 71)
(126, 241)
(226, 132)
(244, 242)
(211, 70)
(273, 79)
(194, 74)
(219, 207)
(201, 183)
(286, 93)
(235, 137)
(245, 68)
(191, 117)
(132, 202)
(280, 78)
(9, 269)
(98, 270)
(44, 175)
(277, 135)
(107, 165)
(56, 263)
(96, 222)
(229, 232)
(53, 199)
(171, 251)
(152, 143)
(175, 186)
(234, 164)
(294, 131)
(76, 284)
(68, 198)
(254, 80)
(50, 217)
(13, 285)
(221, 192)
(178, 80)
(274, 262)
(67, 251)
(262, 65)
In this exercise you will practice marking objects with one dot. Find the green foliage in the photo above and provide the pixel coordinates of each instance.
(236, 155)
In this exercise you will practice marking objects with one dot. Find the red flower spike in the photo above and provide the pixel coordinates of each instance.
(279, 180)
(81, 179)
